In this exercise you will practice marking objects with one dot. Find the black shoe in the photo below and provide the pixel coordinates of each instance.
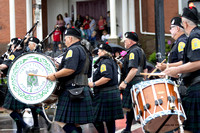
(35, 129)
(48, 126)
(124, 131)
(27, 129)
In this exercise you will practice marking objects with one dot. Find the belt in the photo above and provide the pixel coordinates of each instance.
(106, 89)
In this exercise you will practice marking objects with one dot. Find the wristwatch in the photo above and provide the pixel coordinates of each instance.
(94, 84)
(125, 82)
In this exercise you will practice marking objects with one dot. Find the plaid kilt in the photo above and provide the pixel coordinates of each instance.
(126, 99)
(79, 112)
(107, 106)
(12, 103)
(191, 105)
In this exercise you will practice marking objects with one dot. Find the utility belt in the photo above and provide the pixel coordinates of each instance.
(97, 90)
(190, 81)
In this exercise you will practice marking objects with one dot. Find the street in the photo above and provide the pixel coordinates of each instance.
(7, 125)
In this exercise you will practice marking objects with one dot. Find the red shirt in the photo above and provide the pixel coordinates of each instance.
(87, 22)
(56, 36)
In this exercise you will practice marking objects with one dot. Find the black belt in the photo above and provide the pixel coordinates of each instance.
(192, 82)
(105, 89)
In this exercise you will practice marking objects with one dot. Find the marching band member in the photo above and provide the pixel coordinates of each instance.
(190, 70)
(10, 102)
(134, 63)
(175, 56)
(74, 69)
(106, 102)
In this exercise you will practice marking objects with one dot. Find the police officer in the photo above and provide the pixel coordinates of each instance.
(190, 70)
(10, 102)
(107, 102)
(74, 69)
(175, 56)
(134, 63)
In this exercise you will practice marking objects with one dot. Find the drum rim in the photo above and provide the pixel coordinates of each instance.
(12, 66)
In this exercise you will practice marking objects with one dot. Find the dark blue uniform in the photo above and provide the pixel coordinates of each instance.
(107, 102)
(134, 58)
(191, 102)
(68, 111)
(10, 102)
(176, 53)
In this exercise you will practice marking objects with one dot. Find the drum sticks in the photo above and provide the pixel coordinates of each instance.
(153, 74)
(32, 74)
(155, 69)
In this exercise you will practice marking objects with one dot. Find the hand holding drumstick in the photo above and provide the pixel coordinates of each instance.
(156, 68)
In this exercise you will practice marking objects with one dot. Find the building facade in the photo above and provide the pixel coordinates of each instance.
(18, 16)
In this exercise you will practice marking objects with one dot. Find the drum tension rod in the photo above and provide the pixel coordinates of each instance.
(146, 107)
(158, 102)
(171, 98)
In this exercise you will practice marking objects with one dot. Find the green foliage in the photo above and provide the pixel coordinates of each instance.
(152, 57)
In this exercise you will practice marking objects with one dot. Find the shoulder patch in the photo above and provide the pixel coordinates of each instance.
(131, 56)
(181, 46)
(195, 44)
(11, 57)
(69, 54)
(103, 68)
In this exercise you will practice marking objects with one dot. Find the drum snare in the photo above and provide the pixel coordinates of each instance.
(157, 105)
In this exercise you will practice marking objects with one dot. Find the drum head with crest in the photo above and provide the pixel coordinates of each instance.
(31, 89)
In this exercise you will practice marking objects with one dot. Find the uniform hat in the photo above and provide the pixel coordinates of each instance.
(176, 21)
(105, 47)
(15, 41)
(191, 14)
(34, 39)
(73, 32)
(131, 35)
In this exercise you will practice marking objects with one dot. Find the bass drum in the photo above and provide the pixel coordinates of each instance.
(31, 89)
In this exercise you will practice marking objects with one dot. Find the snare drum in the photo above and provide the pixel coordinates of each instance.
(157, 105)
(31, 89)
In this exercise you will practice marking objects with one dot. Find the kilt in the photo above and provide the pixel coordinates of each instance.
(191, 105)
(12, 103)
(126, 99)
(79, 112)
(107, 106)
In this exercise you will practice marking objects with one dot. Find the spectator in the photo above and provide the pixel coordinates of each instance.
(105, 36)
(79, 21)
(93, 39)
(92, 26)
(59, 51)
(86, 24)
(68, 20)
(83, 33)
(56, 37)
(49, 52)
(61, 24)
(101, 25)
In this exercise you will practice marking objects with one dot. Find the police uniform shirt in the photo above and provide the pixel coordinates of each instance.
(11, 58)
(132, 59)
(192, 52)
(107, 68)
(176, 53)
(74, 58)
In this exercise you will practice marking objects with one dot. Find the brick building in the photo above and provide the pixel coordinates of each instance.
(128, 13)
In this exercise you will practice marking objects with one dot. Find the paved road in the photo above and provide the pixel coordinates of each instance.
(7, 125)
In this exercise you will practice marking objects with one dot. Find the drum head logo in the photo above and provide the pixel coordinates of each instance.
(31, 89)
(32, 81)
